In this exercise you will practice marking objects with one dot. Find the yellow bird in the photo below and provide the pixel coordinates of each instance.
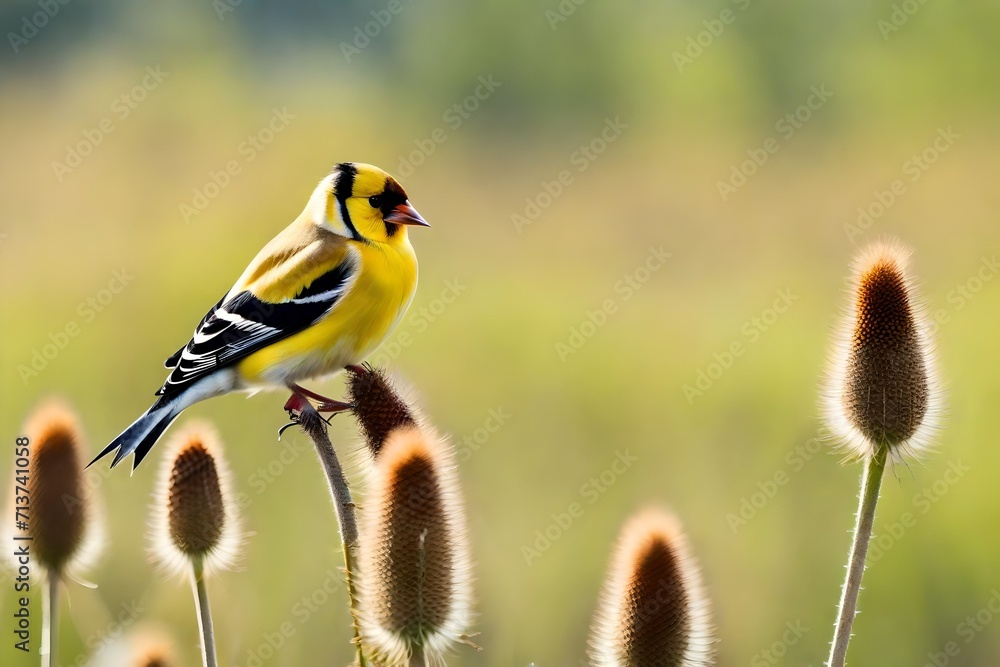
(322, 295)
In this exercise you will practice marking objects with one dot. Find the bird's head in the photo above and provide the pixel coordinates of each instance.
(360, 201)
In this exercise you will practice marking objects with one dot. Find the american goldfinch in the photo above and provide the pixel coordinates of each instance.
(322, 295)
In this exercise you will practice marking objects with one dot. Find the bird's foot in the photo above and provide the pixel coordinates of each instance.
(306, 393)
(295, 404)
(299, 400)
(294, 422)
(334, 407)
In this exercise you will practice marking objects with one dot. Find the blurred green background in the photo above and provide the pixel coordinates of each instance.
(537, 220)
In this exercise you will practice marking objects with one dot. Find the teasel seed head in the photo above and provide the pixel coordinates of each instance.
(152, 658)
(151, 649)
(882, 388)
(63, 518)
(415, 589)
(653, 611)
(145, 645)
(378, 407)
(195, 516)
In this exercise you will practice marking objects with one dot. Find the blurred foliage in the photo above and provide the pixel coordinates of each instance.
(523, 291)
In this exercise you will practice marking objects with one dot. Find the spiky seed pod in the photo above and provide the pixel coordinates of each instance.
(153, 660)
(882, 388)
(62, 513)
(378, 407)
(195, 517)
(151, 649)
(415, 592)
(653, 611)
(144, 646)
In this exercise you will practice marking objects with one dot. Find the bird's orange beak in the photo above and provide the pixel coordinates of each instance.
(404, 214)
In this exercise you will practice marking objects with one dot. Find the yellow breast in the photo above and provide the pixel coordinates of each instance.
(373, 305)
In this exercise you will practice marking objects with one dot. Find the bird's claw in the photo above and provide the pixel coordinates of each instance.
(294, 422)
(334, 407)
(297, 404)
(294, 407)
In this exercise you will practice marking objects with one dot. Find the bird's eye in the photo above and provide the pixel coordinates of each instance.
(375, 201)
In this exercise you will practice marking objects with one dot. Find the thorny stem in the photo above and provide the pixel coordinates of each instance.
(204, 613)
(871, 480)
(315, 427)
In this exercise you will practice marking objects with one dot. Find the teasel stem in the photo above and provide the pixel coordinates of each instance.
(315, 427)
(882, 399)
(50, 624)
(197, 527)
(204, 612)
(871, 482)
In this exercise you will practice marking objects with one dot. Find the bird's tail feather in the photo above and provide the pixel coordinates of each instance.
(140, 437)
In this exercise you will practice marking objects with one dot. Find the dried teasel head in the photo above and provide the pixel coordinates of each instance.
(153, 658)
(882, 388)
(151, 649)
(378, 407)
(415, 591)
(62, 516)
(144, 646)
(195, 516)
(653, 611)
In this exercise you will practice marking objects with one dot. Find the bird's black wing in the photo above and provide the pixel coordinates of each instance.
(172, 360)
(244, 324)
